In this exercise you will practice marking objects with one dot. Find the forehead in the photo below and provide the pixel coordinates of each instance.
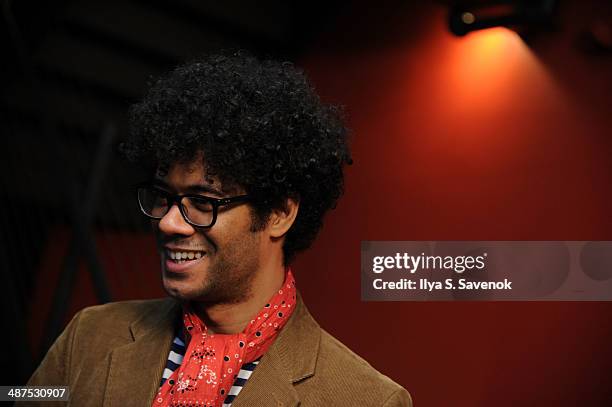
(194, 170)
(185, 176)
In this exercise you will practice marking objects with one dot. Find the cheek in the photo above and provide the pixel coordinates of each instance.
(234, 222)
(232, 235)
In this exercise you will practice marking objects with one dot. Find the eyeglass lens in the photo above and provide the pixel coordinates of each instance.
(155, 203)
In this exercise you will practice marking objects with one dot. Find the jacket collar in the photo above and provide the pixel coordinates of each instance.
(135, 368)
(291, 358)
(297, 346)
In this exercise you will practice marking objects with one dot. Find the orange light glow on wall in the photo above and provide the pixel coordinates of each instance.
(484, 95)
(490, 69)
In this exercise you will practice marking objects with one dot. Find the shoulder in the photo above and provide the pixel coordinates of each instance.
(118, 321)
(123, 311)
(335, 355)
(92, 334)
(326, 372)
(355, 379)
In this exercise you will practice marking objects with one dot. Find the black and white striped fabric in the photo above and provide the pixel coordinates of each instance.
(175, 358)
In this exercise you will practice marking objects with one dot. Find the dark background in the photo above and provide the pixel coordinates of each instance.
(488, 136)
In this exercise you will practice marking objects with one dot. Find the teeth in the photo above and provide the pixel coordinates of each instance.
(181, 257)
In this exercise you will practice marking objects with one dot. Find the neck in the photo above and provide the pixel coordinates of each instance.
(233, 318)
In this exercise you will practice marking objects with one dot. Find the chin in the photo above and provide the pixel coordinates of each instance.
(181, 290)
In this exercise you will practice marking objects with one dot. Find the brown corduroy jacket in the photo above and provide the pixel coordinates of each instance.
(114, 355)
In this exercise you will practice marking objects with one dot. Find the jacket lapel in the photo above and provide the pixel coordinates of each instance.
(136, 368)
(290, 359)
(269, 385)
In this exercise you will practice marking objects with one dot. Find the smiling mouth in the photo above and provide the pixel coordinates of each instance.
(183, 256)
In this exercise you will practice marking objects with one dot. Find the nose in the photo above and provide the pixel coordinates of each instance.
(173, 223)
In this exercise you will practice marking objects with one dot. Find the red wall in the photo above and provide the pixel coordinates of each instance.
(474, 138)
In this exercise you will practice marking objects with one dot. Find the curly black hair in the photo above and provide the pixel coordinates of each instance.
(260, 126)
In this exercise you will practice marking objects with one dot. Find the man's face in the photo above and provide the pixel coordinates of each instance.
(222, 260)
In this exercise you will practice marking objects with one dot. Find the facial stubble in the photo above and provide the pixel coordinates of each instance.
(230, 274)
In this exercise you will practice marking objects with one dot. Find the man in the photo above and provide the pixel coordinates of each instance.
(245, 161)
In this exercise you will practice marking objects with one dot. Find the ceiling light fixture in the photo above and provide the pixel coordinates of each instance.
(521, 16)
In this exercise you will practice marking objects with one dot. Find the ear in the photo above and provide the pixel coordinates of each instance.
(281, 219)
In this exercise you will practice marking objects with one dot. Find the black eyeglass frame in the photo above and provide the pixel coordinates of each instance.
(177, 199)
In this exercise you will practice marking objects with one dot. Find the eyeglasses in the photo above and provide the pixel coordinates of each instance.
(197, 210)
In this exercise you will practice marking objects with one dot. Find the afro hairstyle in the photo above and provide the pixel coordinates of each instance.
(258, 125)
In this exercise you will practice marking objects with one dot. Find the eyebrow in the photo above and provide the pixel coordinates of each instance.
(195, 188)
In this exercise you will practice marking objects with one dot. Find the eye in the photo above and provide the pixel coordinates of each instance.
(159, 196)
(201, 203)
(153, 201)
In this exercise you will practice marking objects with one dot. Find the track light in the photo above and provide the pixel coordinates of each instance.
(519, 15)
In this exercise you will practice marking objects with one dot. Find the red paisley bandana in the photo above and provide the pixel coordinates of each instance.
(212, 361)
